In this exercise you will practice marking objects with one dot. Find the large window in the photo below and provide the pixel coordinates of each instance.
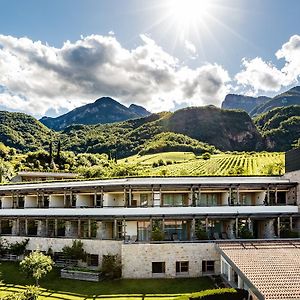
(143, 230)
(245, 199)
(208, 266)
(182, 267)
(158, 267)
(174, 199)
(207, 199)
(176, 230)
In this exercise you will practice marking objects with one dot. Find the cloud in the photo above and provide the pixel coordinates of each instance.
(190, 49)
(260, 76)
(38, 77)
(290, 52)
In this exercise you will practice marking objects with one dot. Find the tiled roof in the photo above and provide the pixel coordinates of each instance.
(272, 267)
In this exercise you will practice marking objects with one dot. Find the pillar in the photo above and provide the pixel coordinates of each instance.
(41, 228)
(240, 283)
(99, 230)
(269, 231)
(291, 223)
(193, 226)
(26, 227)
(278, 227)
(115, 235)
(250, 227)
(89, 228)
(236, 227)
(15, 227)
(79, 228)
(230, 229)
(47, 227)
(55, 227)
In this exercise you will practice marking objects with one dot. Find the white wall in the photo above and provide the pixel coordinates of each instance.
(7, 202)
(113, 199)
(260, 197)
(56, 201)
(131, 228)
(84, 200)
(30, 201)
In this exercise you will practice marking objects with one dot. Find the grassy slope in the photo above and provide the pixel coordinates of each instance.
(187, 164)
(61, 287)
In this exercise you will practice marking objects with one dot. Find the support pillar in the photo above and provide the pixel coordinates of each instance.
(230, 229)
(26, 227)
(55, 227)
(291, 223)
(89, 228)
(15, 227)
(41, 228)
(193, 229)
(278, 227)
(47, 227)
(99, 235)
(240, 283)
(236, 227)
(79, 228)
(115, 236)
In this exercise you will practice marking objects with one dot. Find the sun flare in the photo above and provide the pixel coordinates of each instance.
(186, 12)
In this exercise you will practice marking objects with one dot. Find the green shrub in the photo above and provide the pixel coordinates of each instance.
(111, 266)
(76, 251)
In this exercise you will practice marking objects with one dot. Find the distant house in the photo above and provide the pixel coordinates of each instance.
(42, 176)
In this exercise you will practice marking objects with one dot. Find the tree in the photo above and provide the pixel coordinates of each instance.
(36, 265)
(76, 251)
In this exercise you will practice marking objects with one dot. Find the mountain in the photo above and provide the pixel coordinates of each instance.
(23, 132)
(227, 130)
(103, 110)
(280, 127)
(290, 97)
(247, 103)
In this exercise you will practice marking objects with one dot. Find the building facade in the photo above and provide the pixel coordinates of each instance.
(159, 227)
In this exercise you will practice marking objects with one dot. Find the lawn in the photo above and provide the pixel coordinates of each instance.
(11, 275)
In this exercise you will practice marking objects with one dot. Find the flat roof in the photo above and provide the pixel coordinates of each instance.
(143, 181)
(47, 174)
(273, 268)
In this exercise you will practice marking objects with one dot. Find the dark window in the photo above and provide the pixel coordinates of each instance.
(98, 200)
(158, 267)
(93, 260)
(182, 266)
(208, 266)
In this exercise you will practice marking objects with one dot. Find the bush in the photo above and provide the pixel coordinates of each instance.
(111, 266)
(76, 251)
(30, 293)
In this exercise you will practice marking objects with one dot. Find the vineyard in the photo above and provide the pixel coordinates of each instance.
(254, 163)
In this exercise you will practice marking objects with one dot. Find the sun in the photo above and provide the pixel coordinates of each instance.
(187, 12)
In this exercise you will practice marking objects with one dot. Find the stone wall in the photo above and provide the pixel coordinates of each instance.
(137, 258)
(99, 247)
(294, 194)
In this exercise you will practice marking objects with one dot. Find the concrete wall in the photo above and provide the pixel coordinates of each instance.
(137, 258)
(84, 200)
(56, 201)
(294, 177)
(30, 201)
(113, 199)
(7, 202)
(131, 228)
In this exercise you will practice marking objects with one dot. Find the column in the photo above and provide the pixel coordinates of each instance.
(291, 223)
(250, 227)
(130, 197)
(199, 195)
(99, 230)
(276, 196)
(95, 198)
(230, 229)
(15, 227)
(236, 227)
(41, 229)
(193, 226)
(115, 235)
(47, 227)
(68, 229)
(240, 283)
(79, 228)
(278, 227)
(151, 227)
(269, 232)
(26, 227)
(89, 228)
(206, 224)
(230, 196)
(55, 227)
(238, 195)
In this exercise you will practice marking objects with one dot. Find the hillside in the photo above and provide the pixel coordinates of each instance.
(22, 131)
(103, 110)
(247, 103)
(290, 97)
(280, 127)
(227, 130)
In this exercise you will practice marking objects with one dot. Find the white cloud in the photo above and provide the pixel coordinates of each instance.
(290, 51)
(190, 49)
(38, 78)
(260, 76)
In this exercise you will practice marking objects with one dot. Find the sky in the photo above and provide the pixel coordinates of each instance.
(161, 54)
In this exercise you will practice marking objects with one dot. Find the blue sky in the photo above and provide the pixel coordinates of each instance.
(229, 46)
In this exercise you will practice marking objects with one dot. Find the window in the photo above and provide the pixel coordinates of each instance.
(158, 267)
(208, 266)
(174, 199)
(93, 260)
(182, 267)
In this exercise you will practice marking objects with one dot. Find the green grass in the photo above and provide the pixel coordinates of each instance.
(224, 164)
(149, 159)
(11, 275)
